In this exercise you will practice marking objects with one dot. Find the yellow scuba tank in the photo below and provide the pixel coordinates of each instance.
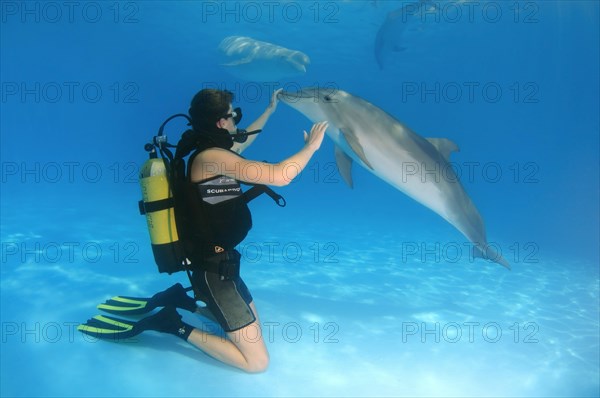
(158, 205)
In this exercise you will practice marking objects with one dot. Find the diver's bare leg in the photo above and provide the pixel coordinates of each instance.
(244, 349)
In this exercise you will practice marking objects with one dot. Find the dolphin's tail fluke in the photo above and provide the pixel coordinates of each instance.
(489, 253)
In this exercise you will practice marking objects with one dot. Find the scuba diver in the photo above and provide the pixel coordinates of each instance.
(212, 218)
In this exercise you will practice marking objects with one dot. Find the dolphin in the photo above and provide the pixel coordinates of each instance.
(389, 38)
(417, 166)
(254, 60)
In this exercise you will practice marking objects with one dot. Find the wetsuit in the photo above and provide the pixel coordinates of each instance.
(218, 220)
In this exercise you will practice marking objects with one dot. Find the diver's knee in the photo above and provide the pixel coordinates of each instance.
(259, 364)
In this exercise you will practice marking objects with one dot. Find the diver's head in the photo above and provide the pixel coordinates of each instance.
(230, 120)
(211, 114)
(211, 111)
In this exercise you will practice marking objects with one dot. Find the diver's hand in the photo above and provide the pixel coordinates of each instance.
(315, 138)
(274, 100)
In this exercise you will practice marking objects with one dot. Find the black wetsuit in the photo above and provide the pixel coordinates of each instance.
(218, 219)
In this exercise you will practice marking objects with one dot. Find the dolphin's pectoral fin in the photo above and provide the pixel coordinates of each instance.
(444, 146)
(355, 145)
(344, 165)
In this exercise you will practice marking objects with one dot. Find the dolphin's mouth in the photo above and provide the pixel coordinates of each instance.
(299, 67)
(311, 93)
(294, 96)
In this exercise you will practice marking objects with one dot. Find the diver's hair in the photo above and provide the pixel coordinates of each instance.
(208, 106)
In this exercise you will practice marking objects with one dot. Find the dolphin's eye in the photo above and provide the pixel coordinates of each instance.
(327, 98)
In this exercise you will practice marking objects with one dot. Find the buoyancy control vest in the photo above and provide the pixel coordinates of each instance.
(191, 221)
(217, 217)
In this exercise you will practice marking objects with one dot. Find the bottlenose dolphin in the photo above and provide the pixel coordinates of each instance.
(417, 166)
(390, 36)
(250, 59)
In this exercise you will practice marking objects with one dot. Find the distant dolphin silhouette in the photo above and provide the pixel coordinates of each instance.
(255, 60)
(417, 166)
(390, 34)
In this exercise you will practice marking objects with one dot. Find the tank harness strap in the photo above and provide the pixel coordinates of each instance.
(258, 190)
(157, 205)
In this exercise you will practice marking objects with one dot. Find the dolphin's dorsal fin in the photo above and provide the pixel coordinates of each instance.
(344, 165)
(444, 146)
(355, 145)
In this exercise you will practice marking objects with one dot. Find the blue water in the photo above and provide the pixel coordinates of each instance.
(362, 292)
